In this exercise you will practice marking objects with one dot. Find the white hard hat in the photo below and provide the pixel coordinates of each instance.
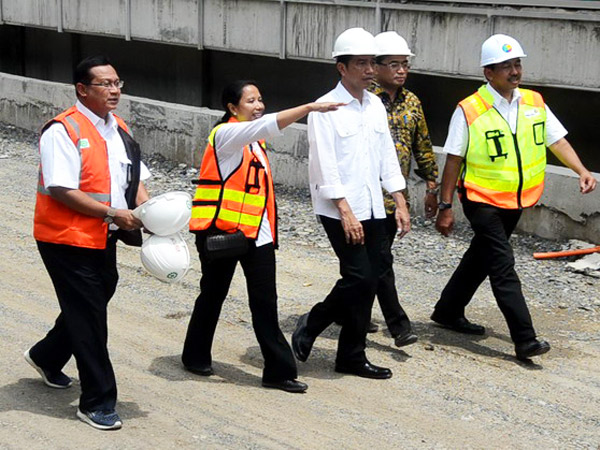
(166, 214)
(354, 41)
(391, 43)
(499, 48)
(166, 257)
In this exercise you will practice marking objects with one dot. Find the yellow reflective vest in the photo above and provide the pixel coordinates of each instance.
(238, 201)
(501, 168)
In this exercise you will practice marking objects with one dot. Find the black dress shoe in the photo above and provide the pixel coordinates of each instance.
(462, 325)
(203, 370)
(533, 347)
(365, 370)
(301, 342)
(293, 386)
(372, 328)
(405, 339)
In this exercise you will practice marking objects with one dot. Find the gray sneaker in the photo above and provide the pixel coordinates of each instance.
(101, 420)
(57, 380)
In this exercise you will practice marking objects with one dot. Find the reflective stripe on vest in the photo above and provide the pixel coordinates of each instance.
(500, 168)
(239, 201)
(54, 222)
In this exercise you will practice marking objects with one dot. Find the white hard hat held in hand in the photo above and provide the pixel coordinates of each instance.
(354, 41)
(391, 43)
(499, 48)
(166, 214)
(166, 257)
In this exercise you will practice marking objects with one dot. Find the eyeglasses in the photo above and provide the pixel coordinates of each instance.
(108, 84)
(508, 67)
(395, 65)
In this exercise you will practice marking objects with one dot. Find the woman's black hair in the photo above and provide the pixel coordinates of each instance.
(233, 94)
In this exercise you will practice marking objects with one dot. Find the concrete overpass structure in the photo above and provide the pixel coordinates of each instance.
(445, 35)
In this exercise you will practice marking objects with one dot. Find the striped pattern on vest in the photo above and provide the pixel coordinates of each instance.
(56, 223)
(239, 201)
(501, 168)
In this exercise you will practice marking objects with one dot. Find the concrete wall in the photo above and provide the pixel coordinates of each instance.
(445, 35)
(179, 132)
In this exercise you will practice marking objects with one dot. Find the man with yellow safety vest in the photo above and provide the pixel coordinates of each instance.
(90, 180)
(496, 154)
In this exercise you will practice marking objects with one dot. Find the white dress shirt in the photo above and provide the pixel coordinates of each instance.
(230, 140)
(458, 131)
(351, 156)
(61, 163)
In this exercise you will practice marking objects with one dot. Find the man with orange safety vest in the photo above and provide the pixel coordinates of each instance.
(89, 181)
(496, 153)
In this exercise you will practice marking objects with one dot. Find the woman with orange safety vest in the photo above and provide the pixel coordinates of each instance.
(234, 196)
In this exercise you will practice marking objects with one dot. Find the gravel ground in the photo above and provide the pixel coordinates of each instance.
(448, 390)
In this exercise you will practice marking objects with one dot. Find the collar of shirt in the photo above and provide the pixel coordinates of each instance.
(498, 99)
(376, 89)
(341, 94)
(96, 120)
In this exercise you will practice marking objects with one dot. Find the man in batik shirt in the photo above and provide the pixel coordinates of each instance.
(411, 137)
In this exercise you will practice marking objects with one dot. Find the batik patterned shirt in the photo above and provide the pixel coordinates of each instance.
(410, 135)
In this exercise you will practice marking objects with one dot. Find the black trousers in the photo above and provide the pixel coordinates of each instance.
(85, 281)
(351, 299)
(259, 269)
(395, 317)
(490, 254)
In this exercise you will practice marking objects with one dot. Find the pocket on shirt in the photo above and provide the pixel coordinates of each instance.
(380, 128)
(347, 137)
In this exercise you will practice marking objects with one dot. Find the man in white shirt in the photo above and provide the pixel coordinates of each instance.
(496, 152)
(90, 180)
(351, 157)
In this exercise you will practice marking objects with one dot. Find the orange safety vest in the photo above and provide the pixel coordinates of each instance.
(55, 222)
(237, 202)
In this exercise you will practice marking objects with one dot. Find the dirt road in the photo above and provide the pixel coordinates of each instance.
(448, 390)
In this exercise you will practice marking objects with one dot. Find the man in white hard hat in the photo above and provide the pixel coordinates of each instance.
(410, 133)
(351, 157)
(496, 153)
(89, 182)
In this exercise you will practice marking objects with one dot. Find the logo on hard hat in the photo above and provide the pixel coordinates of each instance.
(172, 275)
(507, 48)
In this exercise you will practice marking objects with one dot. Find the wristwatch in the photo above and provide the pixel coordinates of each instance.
(444, 205)
(109, 217)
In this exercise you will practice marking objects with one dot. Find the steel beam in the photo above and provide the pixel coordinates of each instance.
(59, 18)
(200, 24)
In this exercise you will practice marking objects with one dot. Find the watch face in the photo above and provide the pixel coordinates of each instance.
(108, 219)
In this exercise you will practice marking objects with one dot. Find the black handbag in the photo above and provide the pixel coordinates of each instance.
(225, 245)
